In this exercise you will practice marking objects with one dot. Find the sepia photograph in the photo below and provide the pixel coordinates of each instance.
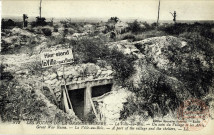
(107, 67)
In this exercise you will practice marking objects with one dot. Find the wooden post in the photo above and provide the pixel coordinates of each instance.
(158, 12)
(66, 91)
(87, 104)
(40, 9)
(25, 22)
(174, 19)
(65, 101)
(94, 109)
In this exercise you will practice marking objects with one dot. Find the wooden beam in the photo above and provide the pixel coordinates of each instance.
(65, 101)
(80, 85)
(158, 12)
(94, 110)
(40, 9)
(87, 105)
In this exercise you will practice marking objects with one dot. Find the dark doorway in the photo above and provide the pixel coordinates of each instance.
(100, 90)
(77, 101)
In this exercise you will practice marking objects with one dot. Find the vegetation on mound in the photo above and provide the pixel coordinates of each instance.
(5, 75)
(197, 72)
(94, 50)
(154, 97)
(22, 102)
(139, 27)
(202, 29)
(193, 68)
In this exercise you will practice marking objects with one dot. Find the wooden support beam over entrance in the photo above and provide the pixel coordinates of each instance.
(92, 83)
(87, 92)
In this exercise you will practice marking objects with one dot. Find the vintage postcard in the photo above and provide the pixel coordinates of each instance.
(107, 67)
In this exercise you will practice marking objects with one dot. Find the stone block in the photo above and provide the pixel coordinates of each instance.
(65, 76)
(46, 78)
(109, 67)
(91, 69)
(48, 81)
(79, 79)
(45, 73)
(51, 81)
(74, 72)
(52, 76)
(59, 73)
(59, 77)
(75, 79)
(67, 73)
(98, 72)
(58, 83)
(90, 77)
(54, 81)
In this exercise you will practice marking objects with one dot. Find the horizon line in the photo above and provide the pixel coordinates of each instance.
(132, 18)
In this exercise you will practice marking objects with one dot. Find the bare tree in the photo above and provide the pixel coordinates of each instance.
(174, 16)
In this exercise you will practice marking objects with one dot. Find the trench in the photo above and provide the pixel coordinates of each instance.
(77, 97)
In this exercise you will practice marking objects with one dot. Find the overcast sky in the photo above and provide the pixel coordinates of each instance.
(138, 9)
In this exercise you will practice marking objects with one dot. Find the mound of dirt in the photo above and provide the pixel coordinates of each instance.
(176, 58)
(168, 71)
(18, 40)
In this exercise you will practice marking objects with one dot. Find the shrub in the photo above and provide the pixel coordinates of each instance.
(179, 28)
(129, 37)
(148, 27)
(19, 102)
(47, 31)
(89, 50)
(9, 24)
(134, 27)
(122, 64)
(56, 28)
(101, 63)
(5, 75)
(94, 50)
(49, 95)
(153, 98)
(193, 68)
(34, 67)
(196, 75)
(113, 19)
